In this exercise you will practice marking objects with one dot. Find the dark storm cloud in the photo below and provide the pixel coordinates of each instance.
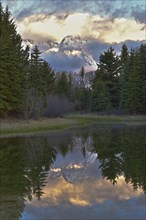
(29, 7)
(95, 48)
(60, 18)
(38, 17)
(130, 44)
(62, 62)
(62, 8)
(24, 13)
(139, 15)
(102, 25)
(118, 13)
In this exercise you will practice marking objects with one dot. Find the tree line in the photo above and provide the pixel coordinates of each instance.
(30, 87)
(120, 81)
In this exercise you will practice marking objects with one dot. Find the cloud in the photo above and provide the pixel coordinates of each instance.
(60, 18)
(91, 198)
(78, 193)
(139, 15)
(95, 48)
(61, 62)
(58, 26)
(130, 44)
(123, 29)
(43, 26)
(108, 8)
(53, 7)
(112, 30)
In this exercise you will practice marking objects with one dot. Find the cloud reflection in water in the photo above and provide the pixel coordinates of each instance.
(76, 189)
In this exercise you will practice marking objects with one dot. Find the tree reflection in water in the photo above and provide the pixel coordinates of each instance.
(27, 162)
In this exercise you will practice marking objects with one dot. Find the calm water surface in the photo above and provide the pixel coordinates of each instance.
(92, 173)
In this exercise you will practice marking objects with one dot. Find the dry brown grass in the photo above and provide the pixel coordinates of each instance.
(20, 126)
(17, 126)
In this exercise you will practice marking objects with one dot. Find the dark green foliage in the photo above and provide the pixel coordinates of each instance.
(121, 82)
(82, 74)
(133, 102)
(35, 70)
(47, 76)
(124, 56)
(41, 76)
(62, 86)
(24, 83)
(100, 97)
(142, 73)
(106, 81)
(12, 60)
(82, 92)
(121, 151)
(23, 174)
(133, 79)
(39, 84)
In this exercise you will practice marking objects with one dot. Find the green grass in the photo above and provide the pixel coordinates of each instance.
(92, 118)
(18, 126)
(31, 126)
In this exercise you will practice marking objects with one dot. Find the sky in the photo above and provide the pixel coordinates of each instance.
(99, 23)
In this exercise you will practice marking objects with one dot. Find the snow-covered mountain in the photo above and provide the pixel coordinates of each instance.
(73, 45)
(71, 42)
(76, 171)
(69, 47)
(43, 46)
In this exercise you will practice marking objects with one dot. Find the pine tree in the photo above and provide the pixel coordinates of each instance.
(124, 55)
(108, 72)
(39, 85)
(62, 87)
(35, 70)
(11, 65)
(133, 90)
(99, 97)
(82, 74)
(82, 94)
(47, 78)
(124, 75)
(133, 99)
(70, 87)
(142, 72)
(41, 77)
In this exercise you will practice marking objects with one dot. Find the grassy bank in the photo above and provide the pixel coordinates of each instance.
(28, 126)
(93, 118)
(17, 126)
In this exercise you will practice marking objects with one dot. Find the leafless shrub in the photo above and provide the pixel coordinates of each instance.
(33, 105)
(57, 105)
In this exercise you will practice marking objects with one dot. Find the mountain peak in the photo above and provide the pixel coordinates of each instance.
(70, 42)
(71, 47)
(70, 38)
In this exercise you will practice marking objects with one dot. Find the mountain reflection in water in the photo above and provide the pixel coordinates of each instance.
(94, 173)
(75, 172)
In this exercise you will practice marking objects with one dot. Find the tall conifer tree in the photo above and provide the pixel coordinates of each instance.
(108, 72)
(11, 64)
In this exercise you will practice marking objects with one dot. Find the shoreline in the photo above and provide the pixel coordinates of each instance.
(22, 126)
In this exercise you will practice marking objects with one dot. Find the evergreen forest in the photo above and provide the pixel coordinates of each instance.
(30, 88)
